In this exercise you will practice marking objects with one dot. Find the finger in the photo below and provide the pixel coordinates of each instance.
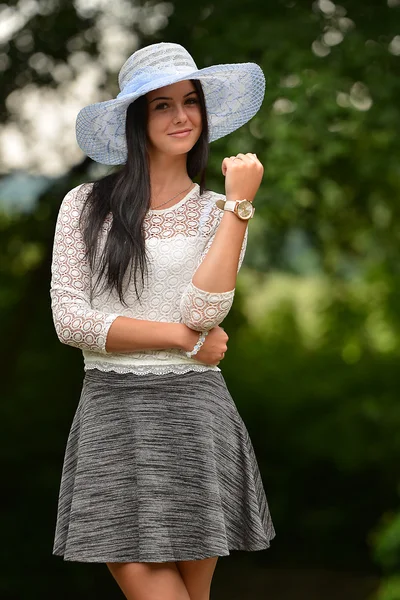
(244, 158)
(257, 160)
(224, 165)
(252, 157)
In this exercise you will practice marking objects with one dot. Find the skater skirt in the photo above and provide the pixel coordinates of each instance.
(158, 468)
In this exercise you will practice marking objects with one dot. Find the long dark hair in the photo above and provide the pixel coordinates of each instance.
(126, 195)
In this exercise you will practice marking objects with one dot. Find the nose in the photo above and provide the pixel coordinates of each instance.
(180, 114)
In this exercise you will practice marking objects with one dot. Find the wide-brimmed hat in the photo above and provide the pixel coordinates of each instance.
(233, 94)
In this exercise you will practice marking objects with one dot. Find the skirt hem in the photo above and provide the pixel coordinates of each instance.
(196, 556)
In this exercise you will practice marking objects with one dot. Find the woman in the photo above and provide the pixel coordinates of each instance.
(159, 475)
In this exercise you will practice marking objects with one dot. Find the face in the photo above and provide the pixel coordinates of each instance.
(174, 118)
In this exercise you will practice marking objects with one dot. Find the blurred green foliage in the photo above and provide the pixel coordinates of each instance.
(387, 553)
(390, 589)
(314, 348)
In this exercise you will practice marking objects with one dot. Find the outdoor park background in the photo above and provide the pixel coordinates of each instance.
(314, 351)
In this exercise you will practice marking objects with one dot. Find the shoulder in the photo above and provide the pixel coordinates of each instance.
(78, 193)
(75, 198)
(72, 205)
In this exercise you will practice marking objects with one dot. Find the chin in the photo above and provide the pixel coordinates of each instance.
(182, 147)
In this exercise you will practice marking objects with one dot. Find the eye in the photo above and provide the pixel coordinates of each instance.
(161, 106)
(192, 101)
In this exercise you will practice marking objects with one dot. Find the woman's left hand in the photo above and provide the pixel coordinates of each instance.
(243, 174)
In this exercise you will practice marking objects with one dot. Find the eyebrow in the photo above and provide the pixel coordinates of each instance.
(165, 97)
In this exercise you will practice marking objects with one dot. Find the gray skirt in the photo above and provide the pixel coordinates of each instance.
(159, 468)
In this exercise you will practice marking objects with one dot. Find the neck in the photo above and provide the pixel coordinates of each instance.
(168, 175)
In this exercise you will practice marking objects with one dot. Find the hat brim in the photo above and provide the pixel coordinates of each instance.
(233, 95)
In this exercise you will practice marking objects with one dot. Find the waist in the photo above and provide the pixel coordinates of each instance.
(144, 361)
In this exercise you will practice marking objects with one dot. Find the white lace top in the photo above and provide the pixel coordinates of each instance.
(177, 239)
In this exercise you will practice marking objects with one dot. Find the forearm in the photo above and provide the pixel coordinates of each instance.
(218, 270)
(128, 335)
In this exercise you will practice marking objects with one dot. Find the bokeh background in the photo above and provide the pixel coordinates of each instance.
(314, 352)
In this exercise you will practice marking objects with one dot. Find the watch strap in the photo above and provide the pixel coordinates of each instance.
(230, 204)
(226, 204)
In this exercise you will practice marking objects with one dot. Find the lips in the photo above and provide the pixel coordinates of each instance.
(181, 133)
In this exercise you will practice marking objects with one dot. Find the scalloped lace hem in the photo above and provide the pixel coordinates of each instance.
(151, 369)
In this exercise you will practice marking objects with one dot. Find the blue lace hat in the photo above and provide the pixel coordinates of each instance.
(233, 94)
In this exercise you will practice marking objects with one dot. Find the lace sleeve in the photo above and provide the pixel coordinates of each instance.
(203, 310)
(76, 323)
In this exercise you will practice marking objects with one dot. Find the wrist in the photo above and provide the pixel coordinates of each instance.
(200, 341)
(188, 338)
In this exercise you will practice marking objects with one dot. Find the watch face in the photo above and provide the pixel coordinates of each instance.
(245, 209)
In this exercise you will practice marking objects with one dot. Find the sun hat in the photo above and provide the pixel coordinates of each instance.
(233, 94)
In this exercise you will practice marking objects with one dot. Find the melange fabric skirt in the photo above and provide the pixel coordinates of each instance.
(159, 468)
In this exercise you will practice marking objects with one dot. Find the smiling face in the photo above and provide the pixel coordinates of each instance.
(174, 118)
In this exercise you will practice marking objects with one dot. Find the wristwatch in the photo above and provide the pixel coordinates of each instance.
(243, 209)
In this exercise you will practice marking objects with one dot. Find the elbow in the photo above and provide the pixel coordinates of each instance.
(201, 323)
(201, 315)
(82, 340)
(78, 325)
(79, 333)
(65, 335)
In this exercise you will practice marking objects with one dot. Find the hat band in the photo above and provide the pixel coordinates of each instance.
(144, 77)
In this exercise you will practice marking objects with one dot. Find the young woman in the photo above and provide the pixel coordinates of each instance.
(159, 476)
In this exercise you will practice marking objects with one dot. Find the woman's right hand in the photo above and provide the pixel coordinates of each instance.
(214, 347)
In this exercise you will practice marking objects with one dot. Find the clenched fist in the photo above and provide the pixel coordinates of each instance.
(214, 347)
(243, 174)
